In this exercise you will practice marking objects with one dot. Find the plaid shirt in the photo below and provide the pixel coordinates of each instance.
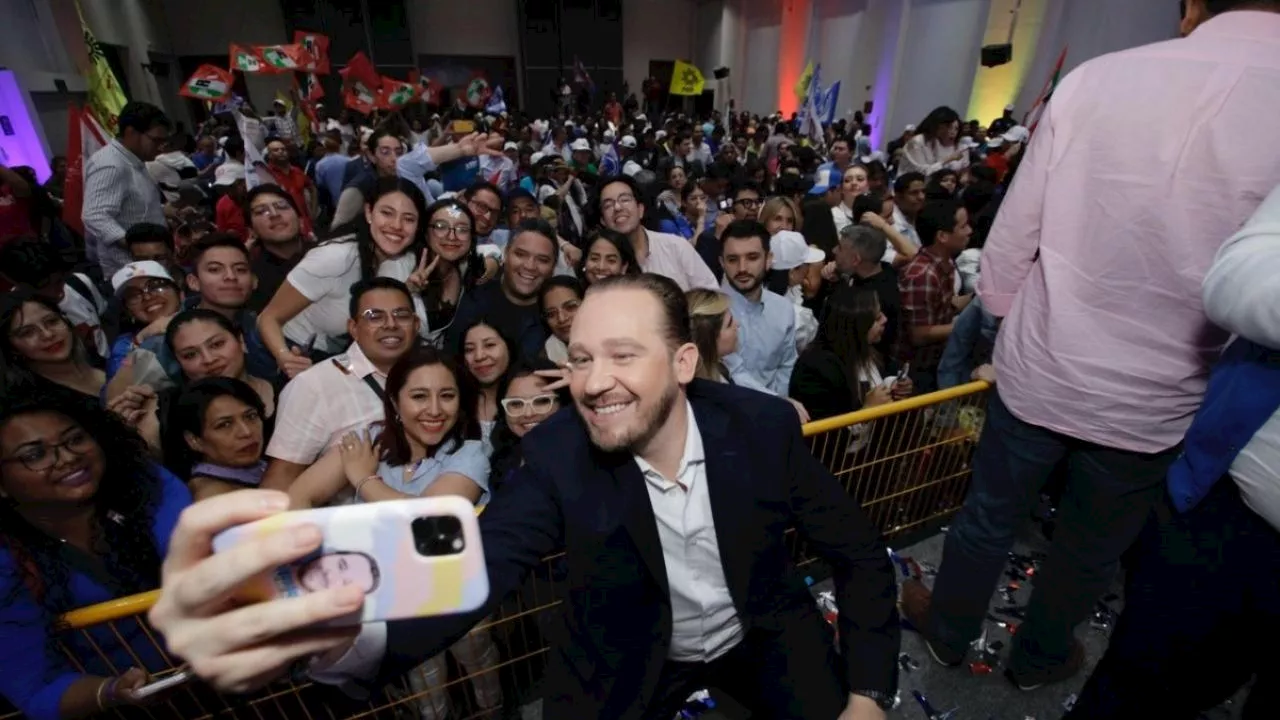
(927, 285)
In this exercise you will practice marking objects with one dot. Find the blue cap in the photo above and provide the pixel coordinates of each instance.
(827, 178)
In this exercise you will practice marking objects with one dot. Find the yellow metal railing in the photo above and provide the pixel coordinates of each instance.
(906, 463)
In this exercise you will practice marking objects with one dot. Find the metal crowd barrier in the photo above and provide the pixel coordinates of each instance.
(907, 463)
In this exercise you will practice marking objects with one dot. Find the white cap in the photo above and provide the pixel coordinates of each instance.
(660, 134)
(995, 142)
(641, 117)
(628, 141)
(535, 158)
(580, 144)
(139, 269)
(789, 251)
(966, 143)
(609, 134)
(228, 173)
(510, 146)
(1008, 108)
(910, 128)
(1017, 133)
(568, 123)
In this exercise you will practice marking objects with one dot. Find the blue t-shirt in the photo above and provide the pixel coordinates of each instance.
(468, 460)
(33, 679)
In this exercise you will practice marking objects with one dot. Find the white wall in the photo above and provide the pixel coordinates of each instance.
(943, 46)
(464, 27)
(757, 52)
(657, 30)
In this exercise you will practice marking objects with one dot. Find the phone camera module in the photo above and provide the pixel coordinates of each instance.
(438, 535)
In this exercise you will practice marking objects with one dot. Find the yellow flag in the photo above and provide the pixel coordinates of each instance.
(686, 79)
(106, 99)
(802, 85)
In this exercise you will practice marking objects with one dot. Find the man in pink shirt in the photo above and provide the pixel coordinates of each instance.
(1143, 164)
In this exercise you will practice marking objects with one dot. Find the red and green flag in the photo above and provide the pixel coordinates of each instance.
(1037, 109)
(208, 82)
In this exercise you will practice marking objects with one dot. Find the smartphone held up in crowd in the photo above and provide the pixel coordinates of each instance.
(412, 558)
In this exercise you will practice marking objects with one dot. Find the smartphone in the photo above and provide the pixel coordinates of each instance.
(179, 678)
(726, 204)
(413, 558)
(462, 127)
(902, 374)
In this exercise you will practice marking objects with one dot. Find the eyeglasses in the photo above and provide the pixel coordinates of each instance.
(480, 208)
(41, 457)
(537, 405)
(48, 324)
(568, 308)
(399, 316)
(622, 201)
(275, 208)
(154, 286)
(157, 139)
(442, 227)
(749, 203)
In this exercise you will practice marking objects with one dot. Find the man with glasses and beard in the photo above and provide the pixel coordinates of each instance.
(669, 496)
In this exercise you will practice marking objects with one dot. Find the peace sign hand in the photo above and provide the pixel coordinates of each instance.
(418, 279)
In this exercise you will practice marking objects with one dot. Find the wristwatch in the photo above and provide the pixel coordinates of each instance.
(884, 700)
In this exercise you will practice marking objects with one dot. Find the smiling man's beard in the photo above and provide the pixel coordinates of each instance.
(650, 419)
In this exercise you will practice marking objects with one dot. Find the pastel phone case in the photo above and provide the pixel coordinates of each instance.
(373, 545)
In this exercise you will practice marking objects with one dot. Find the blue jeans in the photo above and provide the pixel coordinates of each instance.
(973, 323)
(1109, 494)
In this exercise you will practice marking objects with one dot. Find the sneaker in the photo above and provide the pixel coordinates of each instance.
(914, 606)
(1032, 679)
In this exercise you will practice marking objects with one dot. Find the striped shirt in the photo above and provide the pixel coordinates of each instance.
(118, 194)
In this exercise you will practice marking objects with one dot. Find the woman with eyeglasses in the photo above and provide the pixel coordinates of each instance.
(454, 265)
(527, 400)
(84, 518)
(559, 300)
(429, 446)
(307, 318)
(40, 352)
(151, 297)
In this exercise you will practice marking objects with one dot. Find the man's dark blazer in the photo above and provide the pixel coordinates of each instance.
(762, 479)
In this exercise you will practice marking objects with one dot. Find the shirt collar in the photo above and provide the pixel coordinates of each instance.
(693, 455)
(1240, 23)
(736, 297)
(132, 159)
(358, 364)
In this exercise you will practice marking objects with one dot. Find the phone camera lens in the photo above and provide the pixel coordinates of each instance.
(438, 535)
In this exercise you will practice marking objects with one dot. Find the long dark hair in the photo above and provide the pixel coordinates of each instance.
(187, 414)
(394, 441)
(359, 232)
(935, 120)
(620, 242)
(13, 366)
(124, 510)
(507, 452)
(186, 317)
(472, 267)
(844, 331)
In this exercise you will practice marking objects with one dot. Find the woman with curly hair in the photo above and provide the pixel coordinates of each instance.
(84, 518)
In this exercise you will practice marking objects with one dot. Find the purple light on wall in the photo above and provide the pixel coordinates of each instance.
(23, 146)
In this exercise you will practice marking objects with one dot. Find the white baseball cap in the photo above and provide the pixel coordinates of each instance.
(228, 173)
(789, 251)
(139, 269)
(510, 146)
(628, 141)
(1017, 133)
(580, 144)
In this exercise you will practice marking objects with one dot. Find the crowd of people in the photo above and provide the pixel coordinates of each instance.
(606, 328)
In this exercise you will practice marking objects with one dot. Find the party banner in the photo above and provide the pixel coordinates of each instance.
(285, 58)
(394, 94)
(318, 47)
(208, 82)
(686, 79)
(246, 59)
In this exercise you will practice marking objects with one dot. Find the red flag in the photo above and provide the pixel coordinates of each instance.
(208, 82)
(361, 84)
(284, 58)
(309, 87)
(84, 137)
(396, 94)
(246, 59)
(318, 46)
(428, 89)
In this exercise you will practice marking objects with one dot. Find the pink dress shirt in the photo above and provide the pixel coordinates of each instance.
(675, 257)
(1145, 162)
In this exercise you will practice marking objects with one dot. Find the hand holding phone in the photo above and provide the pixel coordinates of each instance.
(150, 689)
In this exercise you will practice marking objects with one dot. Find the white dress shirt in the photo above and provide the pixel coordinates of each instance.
(118, 194)
(704, 622)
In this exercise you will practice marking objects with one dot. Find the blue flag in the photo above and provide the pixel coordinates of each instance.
(610, 165)
(497, 103)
